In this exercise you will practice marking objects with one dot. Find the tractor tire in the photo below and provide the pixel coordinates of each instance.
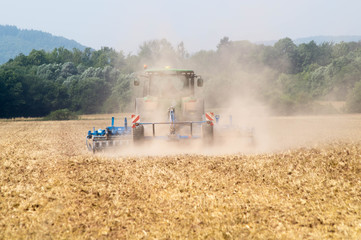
(138, 133)
(207, 133)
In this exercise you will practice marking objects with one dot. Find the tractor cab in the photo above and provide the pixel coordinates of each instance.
(161, 89)
(167, 82)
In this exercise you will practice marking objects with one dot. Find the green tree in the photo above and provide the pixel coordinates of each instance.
(89, 94)
(159, 53)
(353, 104)
(325, 54)
(121, 94)
(37, 58)
(60, 55)
(12, 100)
(224, 42)
(308, 54)
(285, 56)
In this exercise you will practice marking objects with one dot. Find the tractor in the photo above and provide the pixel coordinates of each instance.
(166, 107)
(168, 104)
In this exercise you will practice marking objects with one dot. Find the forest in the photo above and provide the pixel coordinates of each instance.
(287, 78)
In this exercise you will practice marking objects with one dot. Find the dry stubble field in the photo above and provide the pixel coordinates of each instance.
(304, 184)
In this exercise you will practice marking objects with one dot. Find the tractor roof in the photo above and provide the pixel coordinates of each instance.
(169, 71)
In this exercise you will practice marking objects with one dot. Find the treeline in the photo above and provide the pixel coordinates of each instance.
(82, 81)
(289, 78)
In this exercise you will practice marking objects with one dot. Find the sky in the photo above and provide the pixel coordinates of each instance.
(125, 25)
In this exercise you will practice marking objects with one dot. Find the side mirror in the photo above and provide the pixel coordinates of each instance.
(199, 82)
(136, 82)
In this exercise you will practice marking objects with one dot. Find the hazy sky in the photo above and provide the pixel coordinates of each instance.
(124, 25)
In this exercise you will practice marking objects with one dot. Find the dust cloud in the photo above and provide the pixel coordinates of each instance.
(272, 134)
(246, 124)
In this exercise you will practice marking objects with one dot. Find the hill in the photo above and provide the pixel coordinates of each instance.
(322, 39)
(318, 40)
(14, 41)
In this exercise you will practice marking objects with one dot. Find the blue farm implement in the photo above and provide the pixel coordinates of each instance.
(175, 130)
(232, 131)
(112, 136)
(118, 137)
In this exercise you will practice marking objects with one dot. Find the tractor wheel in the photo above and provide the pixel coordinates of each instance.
(138, 133)
(207, 133)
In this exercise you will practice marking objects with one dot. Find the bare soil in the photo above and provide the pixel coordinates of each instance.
(303, 181)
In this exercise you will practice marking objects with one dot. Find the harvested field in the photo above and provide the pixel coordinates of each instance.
(304, 182)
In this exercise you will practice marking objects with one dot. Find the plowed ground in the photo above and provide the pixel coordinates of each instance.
(52, 188)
